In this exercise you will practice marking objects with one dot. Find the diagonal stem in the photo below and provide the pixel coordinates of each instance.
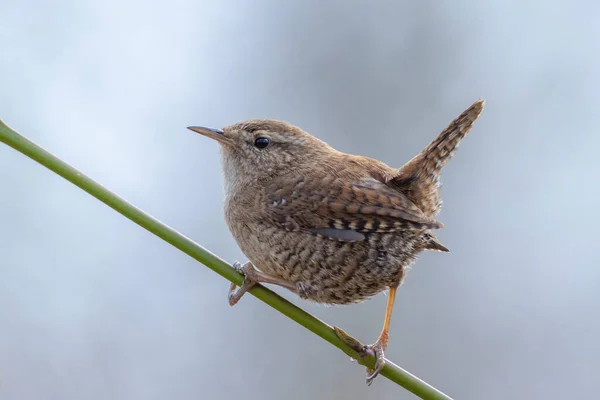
(194, 250)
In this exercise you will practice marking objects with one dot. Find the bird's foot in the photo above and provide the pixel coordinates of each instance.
(249, 280)
(251, 277)
(377, 350)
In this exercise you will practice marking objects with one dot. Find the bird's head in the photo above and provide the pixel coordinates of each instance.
(258, 149)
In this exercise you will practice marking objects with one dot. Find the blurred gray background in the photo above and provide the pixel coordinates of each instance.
(94, 307)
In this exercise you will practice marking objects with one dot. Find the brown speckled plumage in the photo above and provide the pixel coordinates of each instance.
(332, 227)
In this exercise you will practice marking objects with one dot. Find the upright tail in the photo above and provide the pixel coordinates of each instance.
(419, 179)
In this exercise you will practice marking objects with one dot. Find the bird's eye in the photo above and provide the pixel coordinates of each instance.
(261, 142)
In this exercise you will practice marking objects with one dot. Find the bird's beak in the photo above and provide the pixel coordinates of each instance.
(213, 133)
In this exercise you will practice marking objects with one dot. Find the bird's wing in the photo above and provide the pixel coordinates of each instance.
(340, 208)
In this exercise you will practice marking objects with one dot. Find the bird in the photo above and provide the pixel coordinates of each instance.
(331, 227)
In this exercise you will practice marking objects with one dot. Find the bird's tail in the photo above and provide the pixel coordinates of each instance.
(439, 152)
(419, 178)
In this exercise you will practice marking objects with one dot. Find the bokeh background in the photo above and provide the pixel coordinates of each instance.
(94, 307)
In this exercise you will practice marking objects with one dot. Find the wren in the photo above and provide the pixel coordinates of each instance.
(334, 228)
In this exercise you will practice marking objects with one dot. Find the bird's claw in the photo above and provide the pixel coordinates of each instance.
(238, 266)
(232, 295)
(248, 271)
(376, 350)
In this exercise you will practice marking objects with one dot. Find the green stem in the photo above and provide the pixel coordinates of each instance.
(194, 250)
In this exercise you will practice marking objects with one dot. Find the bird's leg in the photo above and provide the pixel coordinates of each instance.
(377, 349)
(251, 278)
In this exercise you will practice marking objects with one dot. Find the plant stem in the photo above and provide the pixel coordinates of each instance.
(194, 250)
